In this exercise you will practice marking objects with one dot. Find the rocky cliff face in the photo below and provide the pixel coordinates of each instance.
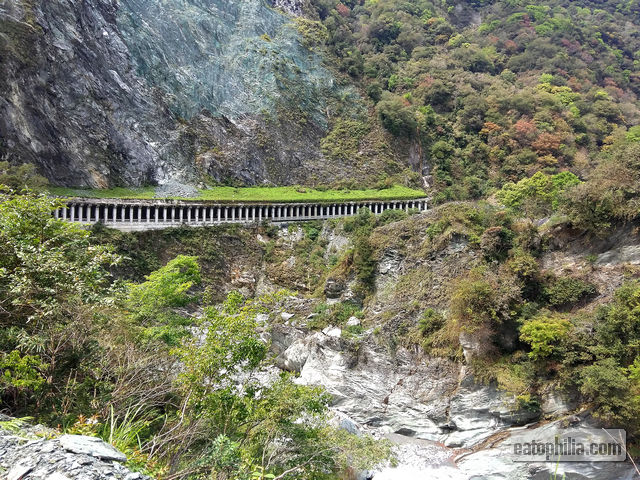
(105, 92)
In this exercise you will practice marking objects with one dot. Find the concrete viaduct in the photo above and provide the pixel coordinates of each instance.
(131, 215)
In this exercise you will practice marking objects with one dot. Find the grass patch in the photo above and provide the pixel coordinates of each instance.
(117, 192)
(253, 194)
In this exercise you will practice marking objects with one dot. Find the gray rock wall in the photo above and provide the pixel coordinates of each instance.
(103, 92)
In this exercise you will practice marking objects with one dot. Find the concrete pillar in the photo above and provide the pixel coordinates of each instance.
(196, 212)
(189, 214)
(260, 214)
(279, 210)
(219, 212)
(233, 213)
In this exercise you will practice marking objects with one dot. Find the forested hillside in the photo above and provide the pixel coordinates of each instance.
(493, 92)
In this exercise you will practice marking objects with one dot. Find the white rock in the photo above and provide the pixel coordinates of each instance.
(333, 332)
(57, 476)
(18, 472)
(353, 322)
(295, 356)
(286, 316)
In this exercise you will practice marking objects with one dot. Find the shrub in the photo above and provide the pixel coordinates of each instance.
(618, 326)
(605, 384)
(430, 322)
(523, 264)
(482, 300)
(538, 195)
(396, 117)
(545, 335)
(565, 291)
(390, 216)
(495, 242)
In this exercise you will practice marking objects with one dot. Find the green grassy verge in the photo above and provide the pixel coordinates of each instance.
(254, 194)
(118, 192)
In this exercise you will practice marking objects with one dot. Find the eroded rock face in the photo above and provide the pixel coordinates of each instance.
(292, 7)
(427, 398)
(497, 462)
(443, 423)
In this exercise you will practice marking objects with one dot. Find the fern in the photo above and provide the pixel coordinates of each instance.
(15, 425)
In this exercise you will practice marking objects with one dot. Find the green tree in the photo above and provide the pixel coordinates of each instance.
(538, 195)
(396, 116)
(153, 304)
(52, 280)
(21, 177)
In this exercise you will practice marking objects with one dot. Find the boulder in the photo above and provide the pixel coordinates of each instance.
(333, 332)
(91, 446)
(353, 322)
(294, 357)
(333, 288)
(18, 472)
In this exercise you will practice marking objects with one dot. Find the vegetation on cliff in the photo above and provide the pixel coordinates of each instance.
(492, 92)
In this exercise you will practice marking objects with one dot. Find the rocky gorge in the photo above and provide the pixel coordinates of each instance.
(442, 421)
